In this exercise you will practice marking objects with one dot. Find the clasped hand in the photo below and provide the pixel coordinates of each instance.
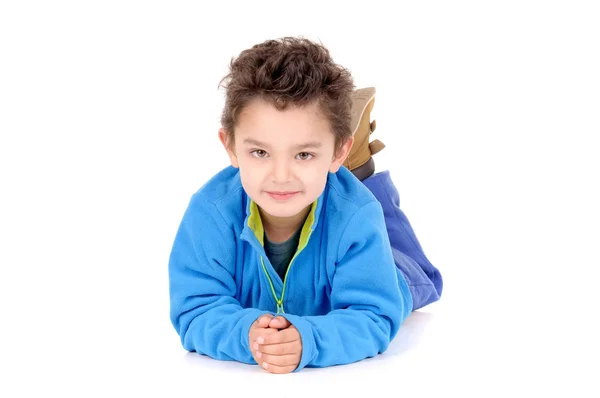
(275, 344)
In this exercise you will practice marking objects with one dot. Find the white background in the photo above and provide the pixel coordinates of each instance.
(108, 118)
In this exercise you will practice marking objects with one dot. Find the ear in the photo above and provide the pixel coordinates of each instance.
(341, 155)
(229, 147)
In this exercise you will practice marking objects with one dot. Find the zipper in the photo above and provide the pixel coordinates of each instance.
(279, 301)
(255, 225)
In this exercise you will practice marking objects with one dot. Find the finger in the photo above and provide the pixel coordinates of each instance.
(278, 369)
(284, 336)
(256, 331)
(280, 360)
(254, 346)
(264, 320)
(280, 349)
(279, 322)
(259, 336)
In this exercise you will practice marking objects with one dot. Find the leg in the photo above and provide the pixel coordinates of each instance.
(424, 280)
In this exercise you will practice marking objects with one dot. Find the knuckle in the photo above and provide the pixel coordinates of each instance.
(271, 360)
(271, 339)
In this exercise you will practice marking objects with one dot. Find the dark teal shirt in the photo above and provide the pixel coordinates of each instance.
(280, 254)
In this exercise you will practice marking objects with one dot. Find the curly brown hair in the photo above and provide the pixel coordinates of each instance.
(290, 70)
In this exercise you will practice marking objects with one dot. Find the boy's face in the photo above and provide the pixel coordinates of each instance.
(284, 156)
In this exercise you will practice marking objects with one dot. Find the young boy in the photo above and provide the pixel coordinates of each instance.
(286, 258)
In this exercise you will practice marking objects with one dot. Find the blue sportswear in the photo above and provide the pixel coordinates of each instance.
(342, 289)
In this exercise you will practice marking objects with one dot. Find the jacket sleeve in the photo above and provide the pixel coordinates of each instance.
(203, 308)
(369, 298)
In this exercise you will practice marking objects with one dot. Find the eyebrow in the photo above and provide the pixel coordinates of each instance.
(312, 144)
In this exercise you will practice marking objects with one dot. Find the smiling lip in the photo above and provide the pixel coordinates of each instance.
(281, 195)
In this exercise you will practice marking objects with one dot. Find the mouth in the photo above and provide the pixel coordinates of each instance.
(282, 195)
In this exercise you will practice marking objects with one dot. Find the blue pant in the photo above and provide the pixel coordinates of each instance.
(424, 280)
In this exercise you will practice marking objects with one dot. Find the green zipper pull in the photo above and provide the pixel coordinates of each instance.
(278, 301)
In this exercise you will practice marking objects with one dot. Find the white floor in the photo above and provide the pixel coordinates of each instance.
(108, 346)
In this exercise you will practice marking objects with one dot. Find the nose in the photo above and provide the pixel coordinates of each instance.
(281, 173)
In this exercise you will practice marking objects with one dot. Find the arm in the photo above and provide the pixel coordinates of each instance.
(204, 312)
(369, 298)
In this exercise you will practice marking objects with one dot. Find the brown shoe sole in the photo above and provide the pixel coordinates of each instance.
(360, 100)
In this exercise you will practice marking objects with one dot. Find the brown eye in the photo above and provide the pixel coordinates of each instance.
(305, 155)
(259, 153)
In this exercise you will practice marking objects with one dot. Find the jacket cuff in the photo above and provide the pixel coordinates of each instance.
(309, 349)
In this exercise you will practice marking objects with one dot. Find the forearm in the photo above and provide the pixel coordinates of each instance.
(342, 336)
(219, 329)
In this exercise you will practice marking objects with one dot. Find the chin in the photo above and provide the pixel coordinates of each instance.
(283, 209)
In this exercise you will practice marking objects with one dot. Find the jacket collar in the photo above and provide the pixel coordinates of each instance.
(253, 224)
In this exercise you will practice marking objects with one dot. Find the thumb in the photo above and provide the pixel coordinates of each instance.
(279, 322)
(263, 321)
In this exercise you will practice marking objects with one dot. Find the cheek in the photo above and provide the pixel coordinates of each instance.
(254, 176)
(251, 176)
(315, 180)
(318, 169)
(248, 178)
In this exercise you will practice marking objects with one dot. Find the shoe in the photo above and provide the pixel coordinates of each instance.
(359, 160)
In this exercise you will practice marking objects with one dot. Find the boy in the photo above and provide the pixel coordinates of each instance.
(284, 259)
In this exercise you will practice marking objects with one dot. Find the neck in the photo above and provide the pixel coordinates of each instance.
(280, 229)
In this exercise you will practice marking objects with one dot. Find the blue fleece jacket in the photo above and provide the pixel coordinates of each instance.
(342, 290)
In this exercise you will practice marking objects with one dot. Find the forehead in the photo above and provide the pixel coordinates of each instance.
(261, 121)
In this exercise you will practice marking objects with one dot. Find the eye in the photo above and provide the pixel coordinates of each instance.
(305, 155)
(259, 153)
